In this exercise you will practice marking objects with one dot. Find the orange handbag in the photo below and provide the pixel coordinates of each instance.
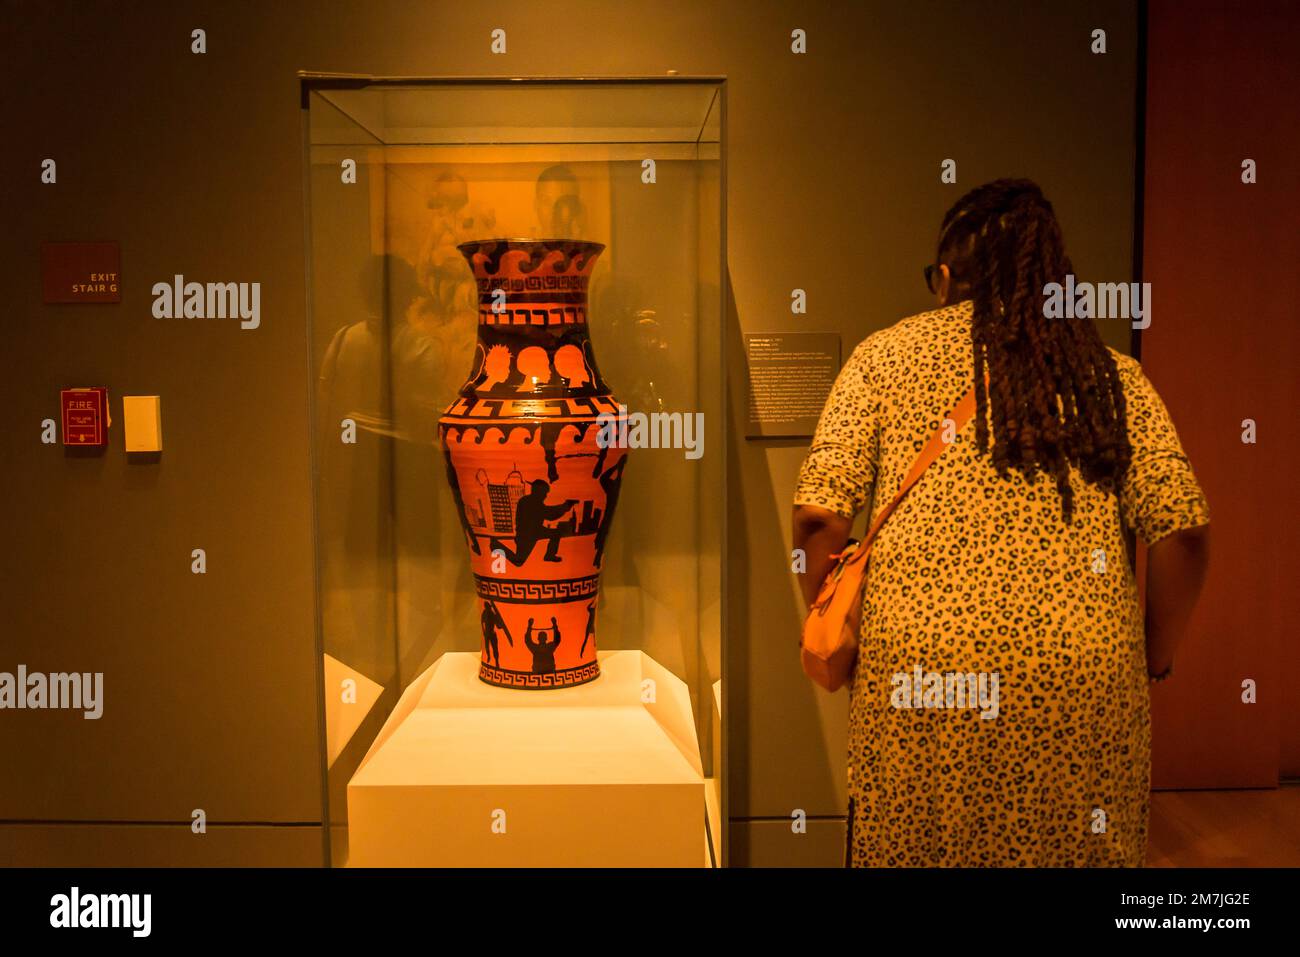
(828, 646)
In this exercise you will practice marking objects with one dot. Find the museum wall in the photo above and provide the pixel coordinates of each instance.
(1218, 80)
(195, 164)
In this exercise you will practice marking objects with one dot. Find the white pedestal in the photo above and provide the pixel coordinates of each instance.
(467, 775)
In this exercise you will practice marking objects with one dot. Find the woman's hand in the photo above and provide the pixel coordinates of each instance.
(821, 533)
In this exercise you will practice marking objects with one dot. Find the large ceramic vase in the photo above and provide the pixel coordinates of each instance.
(531, 468)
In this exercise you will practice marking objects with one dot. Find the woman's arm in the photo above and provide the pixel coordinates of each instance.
(821, 533)
(1164, 505)
(839, 474)
(1176, 568)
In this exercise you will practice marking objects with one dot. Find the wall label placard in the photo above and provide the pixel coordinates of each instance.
(790, 376)
(81, 272)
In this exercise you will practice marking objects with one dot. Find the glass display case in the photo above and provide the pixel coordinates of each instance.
(515, 316)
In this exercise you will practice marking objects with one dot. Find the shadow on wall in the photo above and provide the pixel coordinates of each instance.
(769, 698)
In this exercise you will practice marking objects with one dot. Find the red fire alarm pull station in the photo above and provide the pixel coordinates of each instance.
(85, 417)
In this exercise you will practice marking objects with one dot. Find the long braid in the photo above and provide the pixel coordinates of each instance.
(1053, 398)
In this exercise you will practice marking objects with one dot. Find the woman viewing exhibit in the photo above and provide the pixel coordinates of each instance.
(1000, 710)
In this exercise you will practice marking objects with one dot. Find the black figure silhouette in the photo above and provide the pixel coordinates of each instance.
(591, 628)
(531, 513)
(610, 480)
(543, 651)
(547, 435)
(490, 621)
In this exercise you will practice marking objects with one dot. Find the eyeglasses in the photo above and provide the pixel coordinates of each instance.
(930, 270)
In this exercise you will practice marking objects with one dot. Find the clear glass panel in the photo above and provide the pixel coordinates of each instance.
(523, 113)
(394, 316)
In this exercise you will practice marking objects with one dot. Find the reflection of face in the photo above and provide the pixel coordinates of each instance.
(465, 298)
(548, 194)
(567, 216)
(420, 313)
(648, 331)
(449, 195)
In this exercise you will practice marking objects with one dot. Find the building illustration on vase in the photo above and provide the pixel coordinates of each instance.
(501, 501)
(495, 516)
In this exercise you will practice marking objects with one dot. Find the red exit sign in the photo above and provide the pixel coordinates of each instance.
(81, 272)
(85, 416)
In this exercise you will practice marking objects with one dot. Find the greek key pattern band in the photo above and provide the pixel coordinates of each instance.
(479, 408)
(527, 681)
(524, 316)
(525, 592)
(522, 285)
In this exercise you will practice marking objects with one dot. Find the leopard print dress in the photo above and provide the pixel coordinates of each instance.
(1039, 752)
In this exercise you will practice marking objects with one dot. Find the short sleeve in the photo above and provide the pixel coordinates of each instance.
(840, 470)
(1159, 494)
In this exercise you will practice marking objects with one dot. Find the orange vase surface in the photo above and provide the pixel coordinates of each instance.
(531, 465)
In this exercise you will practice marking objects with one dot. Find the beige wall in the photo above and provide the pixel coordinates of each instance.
(834, 188)
(195, 164)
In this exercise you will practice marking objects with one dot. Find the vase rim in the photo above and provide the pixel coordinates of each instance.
(519, 242)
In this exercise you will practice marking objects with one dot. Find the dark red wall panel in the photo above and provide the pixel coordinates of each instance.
(1222, 258)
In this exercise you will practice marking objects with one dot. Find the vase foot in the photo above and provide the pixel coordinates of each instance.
(528, 681)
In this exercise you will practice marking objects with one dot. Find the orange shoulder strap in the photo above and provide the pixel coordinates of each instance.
(960, 415)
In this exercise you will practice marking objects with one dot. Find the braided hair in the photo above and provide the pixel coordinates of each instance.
(1053, 398)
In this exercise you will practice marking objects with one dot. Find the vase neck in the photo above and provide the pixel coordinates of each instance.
(532, 319)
